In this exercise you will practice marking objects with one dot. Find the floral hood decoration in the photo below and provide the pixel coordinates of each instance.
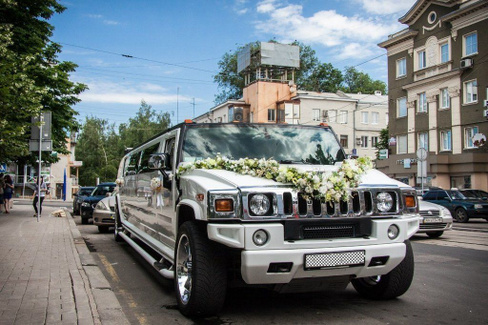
(330, 186)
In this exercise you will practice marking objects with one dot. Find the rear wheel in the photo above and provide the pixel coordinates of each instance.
(435, 234)
(461, 215)
(200, 273)
(391, 285)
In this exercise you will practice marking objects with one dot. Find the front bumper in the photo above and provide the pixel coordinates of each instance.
(256, 261)
(426, 224)
(103, 218)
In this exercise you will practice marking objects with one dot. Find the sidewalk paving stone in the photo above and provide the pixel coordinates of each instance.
(42, 278)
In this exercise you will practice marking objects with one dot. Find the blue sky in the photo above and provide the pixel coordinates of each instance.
(175, 46)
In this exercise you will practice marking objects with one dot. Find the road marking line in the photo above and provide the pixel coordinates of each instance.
(127, 296)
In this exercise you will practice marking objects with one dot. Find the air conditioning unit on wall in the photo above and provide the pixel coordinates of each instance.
(466, 63)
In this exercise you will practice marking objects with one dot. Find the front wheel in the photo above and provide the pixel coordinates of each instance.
(435, 234)
(460, 215)
(391, 285)
(200, 273)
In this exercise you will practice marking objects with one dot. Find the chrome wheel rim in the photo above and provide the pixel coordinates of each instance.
(460, 215)
(184, 269)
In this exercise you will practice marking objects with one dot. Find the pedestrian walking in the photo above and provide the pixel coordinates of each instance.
(2, 186)
(39, 197)
(7, 192)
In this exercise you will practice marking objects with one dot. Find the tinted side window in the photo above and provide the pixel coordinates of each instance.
(146, 153)
(169, 149)
(430, 196)
(442, 195)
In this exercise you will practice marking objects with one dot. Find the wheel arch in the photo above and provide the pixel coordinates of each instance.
(187, 210)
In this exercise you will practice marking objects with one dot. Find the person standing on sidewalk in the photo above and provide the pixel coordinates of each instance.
(7, 192)
(2, 186)
(37, 197)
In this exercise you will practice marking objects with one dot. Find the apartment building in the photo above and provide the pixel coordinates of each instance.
(357, 119)
(437, 92)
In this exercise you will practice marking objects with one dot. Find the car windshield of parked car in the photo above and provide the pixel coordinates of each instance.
(456, 195)
(102, 190)
(287, 145)
(86, 191)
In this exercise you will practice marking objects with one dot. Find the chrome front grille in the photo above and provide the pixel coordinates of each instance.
(429, 213)
(290, 204)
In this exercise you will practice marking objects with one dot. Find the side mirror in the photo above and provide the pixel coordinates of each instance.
(158, 161)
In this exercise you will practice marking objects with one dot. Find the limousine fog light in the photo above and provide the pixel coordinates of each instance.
(393, 231)
(384, 201)
(259, 204)
(224, 205)
(260, 237)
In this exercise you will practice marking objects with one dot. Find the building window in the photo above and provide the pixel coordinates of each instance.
(364, 117)
(374, 141)
(375, 116)
(424, 140)
(470, 43)
(343, 117)
(271, 115)
(446, 140)
(422, 59)
(468, 137)
(401, 67)
(444, 48)
(364, 141)
(401, 144)
(344, 141)
(422, 103)
(445, 100)
(316, 114)
(402, 107)
(470, 91)
(333, 116)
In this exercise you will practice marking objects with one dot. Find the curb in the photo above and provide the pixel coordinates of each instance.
(104, 304)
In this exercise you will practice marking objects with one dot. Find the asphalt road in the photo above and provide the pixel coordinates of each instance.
(449, 288)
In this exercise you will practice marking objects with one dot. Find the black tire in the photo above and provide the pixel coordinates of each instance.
(435, 234)
(201, 284)
(76, 212)
(391, 285)
(460, 215)
(84, 221)
(117, 225)
(103, 229)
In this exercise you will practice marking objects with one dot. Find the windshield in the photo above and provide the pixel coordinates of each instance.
(86, 191)
(286, 144)
(456, 195)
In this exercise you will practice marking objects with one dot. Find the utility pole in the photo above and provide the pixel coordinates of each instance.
(41, 120)
(177, 104)
(193, 104)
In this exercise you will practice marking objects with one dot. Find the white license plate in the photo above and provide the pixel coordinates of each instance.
(432, 220)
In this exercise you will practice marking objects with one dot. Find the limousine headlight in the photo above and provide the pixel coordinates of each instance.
(223, 204)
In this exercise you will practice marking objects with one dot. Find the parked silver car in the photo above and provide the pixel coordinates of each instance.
(103, 215)
(435, 219)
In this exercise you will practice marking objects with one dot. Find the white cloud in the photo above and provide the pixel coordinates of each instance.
(117, 93)
(105, 21)
(326, 27)
(386, 7)
(110, 22)
(240, 7)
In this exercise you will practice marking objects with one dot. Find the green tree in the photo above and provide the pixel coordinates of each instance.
(43, 81)
(146, 124)
(98, 147)
(359, 82)
(324, 78)
(382, 141)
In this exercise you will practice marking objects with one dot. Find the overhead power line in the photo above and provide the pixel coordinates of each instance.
(137, 58)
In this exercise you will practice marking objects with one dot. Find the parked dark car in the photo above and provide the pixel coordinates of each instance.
(89, 202)
(461, 208)
(79, 196)
(475, 194)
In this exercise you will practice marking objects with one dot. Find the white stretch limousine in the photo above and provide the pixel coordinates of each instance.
(223, 205)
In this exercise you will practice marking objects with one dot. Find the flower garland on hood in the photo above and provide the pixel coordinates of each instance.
(326, 186)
